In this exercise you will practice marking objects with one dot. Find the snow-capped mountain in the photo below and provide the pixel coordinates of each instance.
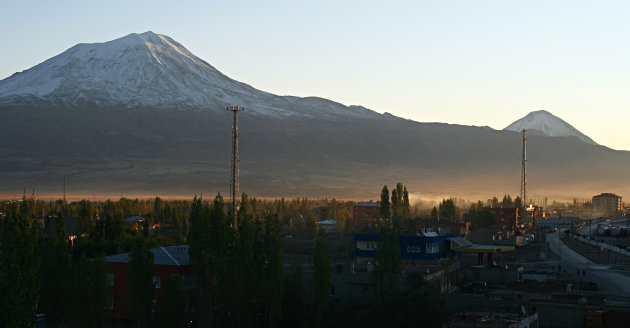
(547, 124)
(154, 71)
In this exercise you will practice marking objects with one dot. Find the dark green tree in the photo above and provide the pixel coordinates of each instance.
(495, 202)
(19, 270)
(384, 206)
(448, 210)
(273, 271)
(406, 211)
(434, 214)
(205, 252)
(518, 203)
(172, 305)
(85, 218)
(386, 274)
(141, 285)
(55, 281)
(294, 309)
(507, 202)
(321, 277)
(418, 302)
(89, 293)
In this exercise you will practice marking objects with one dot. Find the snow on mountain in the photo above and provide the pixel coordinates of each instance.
(547, 124)
(149, 70)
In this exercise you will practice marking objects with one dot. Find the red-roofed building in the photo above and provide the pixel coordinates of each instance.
(506, 217)
(168, 261)
(364, 214)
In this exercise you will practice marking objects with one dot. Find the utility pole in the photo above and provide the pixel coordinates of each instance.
(234, 182)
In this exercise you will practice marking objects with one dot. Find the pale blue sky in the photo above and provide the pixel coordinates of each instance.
(463, 62)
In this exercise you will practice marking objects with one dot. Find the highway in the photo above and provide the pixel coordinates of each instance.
(610, 282)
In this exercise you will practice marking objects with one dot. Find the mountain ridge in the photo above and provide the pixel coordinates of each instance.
(290, 146)
(150, 70)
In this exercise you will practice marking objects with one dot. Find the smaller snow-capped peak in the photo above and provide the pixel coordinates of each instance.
(544, 123)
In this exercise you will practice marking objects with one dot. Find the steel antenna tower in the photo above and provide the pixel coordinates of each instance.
(524, 171)
(234, 182)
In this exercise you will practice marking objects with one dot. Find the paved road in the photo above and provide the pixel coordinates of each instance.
(609, 281)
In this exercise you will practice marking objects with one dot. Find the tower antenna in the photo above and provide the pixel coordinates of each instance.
(234, 182)
(524, 171)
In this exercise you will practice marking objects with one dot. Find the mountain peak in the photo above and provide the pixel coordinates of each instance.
(545, 123)
(149, 70)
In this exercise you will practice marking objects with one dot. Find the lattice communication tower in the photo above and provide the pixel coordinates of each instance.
(234, 182)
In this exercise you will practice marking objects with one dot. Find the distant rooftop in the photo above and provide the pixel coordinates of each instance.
(134, 219)
(607, 194)
(370, 203)
(165, 255)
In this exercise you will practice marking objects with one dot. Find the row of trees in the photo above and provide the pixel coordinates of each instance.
(395, 209)
(507, 202)
(239, 268)
(39, 274)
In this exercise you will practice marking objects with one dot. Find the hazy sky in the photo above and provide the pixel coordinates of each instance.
(462, 62)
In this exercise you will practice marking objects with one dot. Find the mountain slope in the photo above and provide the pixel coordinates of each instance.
(149, 70)
(143, 115)
(547, 124)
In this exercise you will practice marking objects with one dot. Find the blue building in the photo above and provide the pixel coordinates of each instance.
(418, 248)
(429, 255)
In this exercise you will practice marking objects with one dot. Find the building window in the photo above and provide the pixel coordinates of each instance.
(154, 308)
(156, 281)
(110, 279)
(433, 248)
(414, 249)
(109, 303)
(189, 281)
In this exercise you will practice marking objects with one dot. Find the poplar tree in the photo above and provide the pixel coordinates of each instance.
(321, 276)
(386, 273)
(141, 286)
(384, 206)
(406, 211)
(172, 305)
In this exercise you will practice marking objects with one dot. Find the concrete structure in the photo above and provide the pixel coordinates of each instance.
(463, 245)
(554, 224)
(411, 247)
(506, 217)
(430, 255)
(168, 261)
(327, 225)
(607, 204)
(494, 319)
(364, 214)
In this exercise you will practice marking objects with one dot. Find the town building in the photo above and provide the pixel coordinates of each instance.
(327, 225)
(607, 204)
(168, 261)
(430, 255)
(554, 224)
(364, 214)
(494, 319)
(506, 217)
